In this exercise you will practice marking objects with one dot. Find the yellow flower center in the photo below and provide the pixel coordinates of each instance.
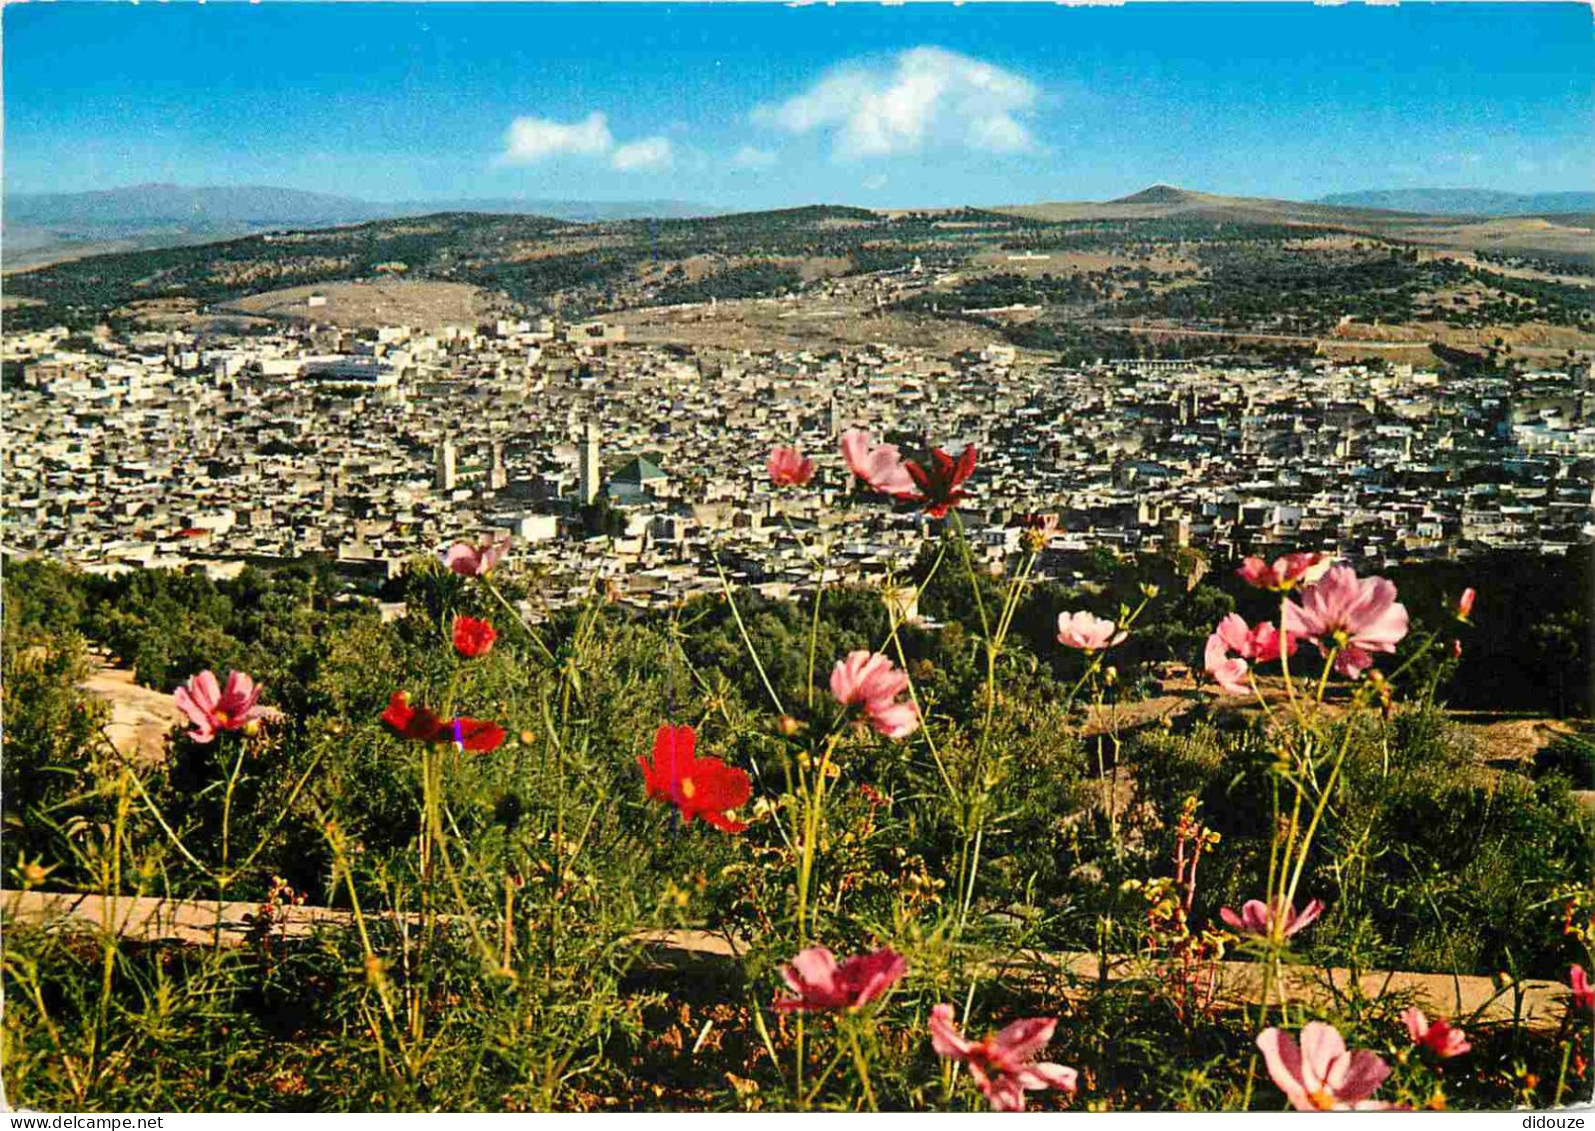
(1322, 1100)
(687, 788)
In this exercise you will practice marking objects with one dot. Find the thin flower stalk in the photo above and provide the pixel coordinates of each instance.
(974, 818)
(747, 641)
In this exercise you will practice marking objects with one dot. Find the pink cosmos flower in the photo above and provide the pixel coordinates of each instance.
(1088, 633)
(788, 468)
(894, 720)
(1583, 998)
(1227, 671)
(1465, 604)
(820, 982)
(1320, 1074)
(866, 677)
(868, 680)
(1357, 615)
(212, 708)
(474, 561)
(1255, 919)
(1002, 1064)
(1438, 1036)
(881, 467)
(1260, 644)
(1286, 572)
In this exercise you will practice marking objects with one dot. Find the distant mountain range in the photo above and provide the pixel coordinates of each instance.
(42, 227)
(1465, 202)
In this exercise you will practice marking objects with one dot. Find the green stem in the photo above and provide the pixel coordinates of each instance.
(177, 841)
(747, 641)
(526, 627)
(1561, 1078)
(862, 1064)
(812, 790)
(1323, 678)
(1318, 812)
(227, 813)
(814, 634)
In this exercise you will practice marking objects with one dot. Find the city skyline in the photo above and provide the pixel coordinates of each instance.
(748, 107)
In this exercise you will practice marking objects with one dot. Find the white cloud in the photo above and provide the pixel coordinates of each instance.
(926, 95)
(752, 157)
(529, 140)
(651, 154)
(878, 181)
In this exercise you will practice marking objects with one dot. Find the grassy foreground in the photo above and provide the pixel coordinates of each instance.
(504, 803)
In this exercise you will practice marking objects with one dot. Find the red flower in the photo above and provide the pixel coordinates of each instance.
(417, 724)
(1465, 605)
(1039, 530)
(938, 485)
(1438, 1036)
(698, 787)
(473, 637)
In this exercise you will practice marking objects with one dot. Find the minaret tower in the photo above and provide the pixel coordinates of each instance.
(445, 477)
(587, 465)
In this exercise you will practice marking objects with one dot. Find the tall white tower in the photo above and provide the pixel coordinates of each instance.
(587, 466)
(497, 475)
(445, 478)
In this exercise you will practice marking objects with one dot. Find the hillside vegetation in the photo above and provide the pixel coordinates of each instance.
(1253, 263)
(955, 831)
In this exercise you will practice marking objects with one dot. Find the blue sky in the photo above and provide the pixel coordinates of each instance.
(763, 105)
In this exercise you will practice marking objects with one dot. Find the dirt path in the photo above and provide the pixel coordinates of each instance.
(1498, 737)
(1540, 1004)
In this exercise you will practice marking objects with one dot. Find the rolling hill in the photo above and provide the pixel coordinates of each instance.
(1564, 236)
(1199, 261)
(49, 227)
